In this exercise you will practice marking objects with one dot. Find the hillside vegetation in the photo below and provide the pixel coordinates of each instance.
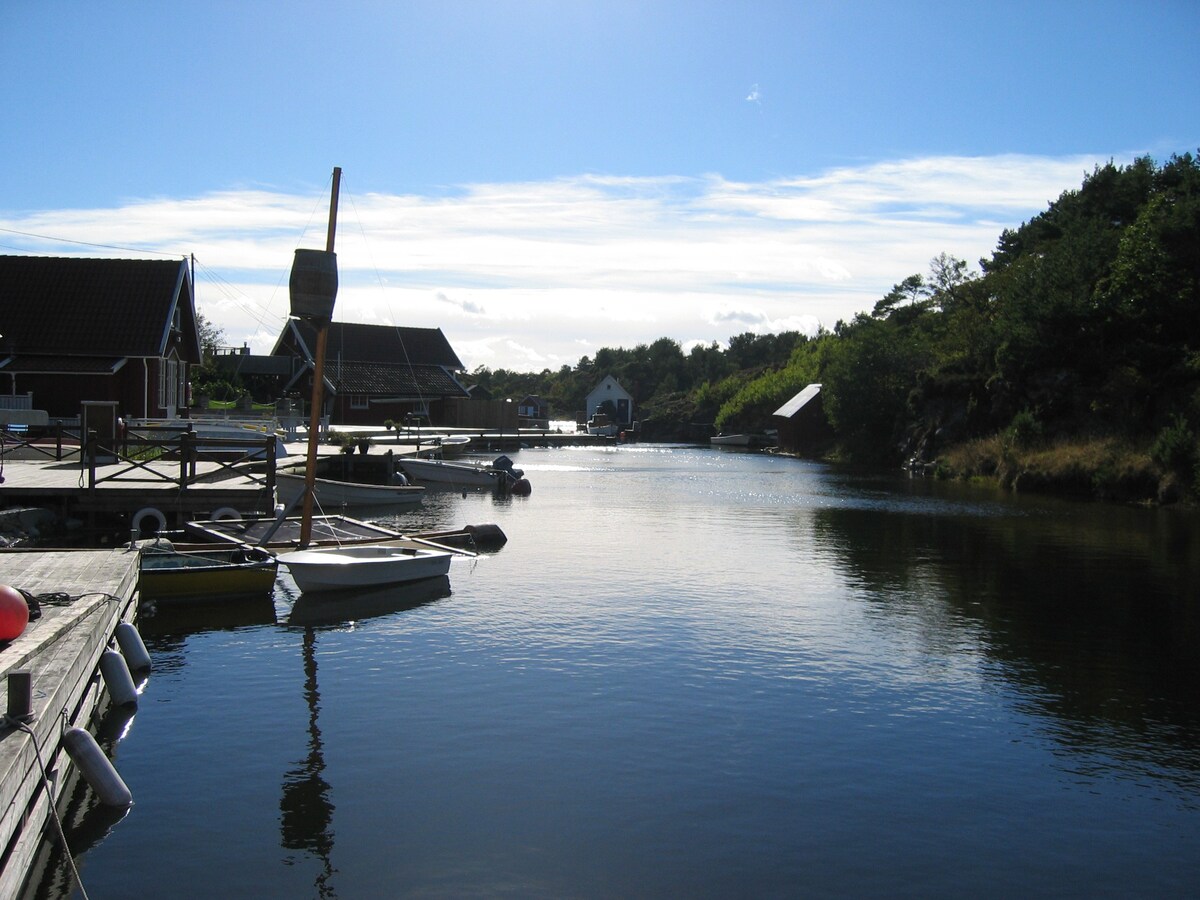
(1069, 361)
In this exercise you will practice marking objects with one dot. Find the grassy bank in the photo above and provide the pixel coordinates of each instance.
(1102, 468)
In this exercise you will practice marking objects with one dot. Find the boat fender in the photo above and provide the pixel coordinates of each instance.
(137, 657)
(487, 535)
(96, 768)
(521, 487)
(148, 512)
(225, 513)
(117, 679)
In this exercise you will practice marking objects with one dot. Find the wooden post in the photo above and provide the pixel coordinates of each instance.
(314, 424)
(89, 451)
(272, 463)
(314, 419)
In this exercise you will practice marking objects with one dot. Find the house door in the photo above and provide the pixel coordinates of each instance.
(170, 385)
(623, 416)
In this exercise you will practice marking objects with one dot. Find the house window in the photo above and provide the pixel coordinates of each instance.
(359, 401)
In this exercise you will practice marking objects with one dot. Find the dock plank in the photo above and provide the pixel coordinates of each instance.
(60, 650)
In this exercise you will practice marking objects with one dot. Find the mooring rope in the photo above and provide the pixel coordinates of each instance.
(62, 835)
(35, 602)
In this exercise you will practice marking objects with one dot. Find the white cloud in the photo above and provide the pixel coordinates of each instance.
(515, 274)
(467, 306)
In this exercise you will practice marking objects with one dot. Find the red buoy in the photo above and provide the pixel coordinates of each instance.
(14, 613)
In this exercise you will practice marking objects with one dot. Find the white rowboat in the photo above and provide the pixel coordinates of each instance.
(330, 568)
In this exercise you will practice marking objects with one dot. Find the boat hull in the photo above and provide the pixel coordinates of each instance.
(752, 441)
(207, 575)
(330, 493)
(372, 565)
(444, 474)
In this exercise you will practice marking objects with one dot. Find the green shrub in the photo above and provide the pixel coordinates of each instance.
(1025, 430)
(1174, 450)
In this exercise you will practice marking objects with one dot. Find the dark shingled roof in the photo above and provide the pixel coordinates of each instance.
(398, 381)
(387, 344)
(64, 365)
(69, 306)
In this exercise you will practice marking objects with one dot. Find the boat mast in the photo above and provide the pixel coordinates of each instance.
(314, 419)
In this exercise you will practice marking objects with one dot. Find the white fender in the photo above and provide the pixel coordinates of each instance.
(117, 679)
(133, 648)
(96, 768)
(148, 512)
(225, 512)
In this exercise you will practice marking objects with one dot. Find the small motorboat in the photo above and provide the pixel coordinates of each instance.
(600, 424)
(363, 565)
(166, 574)
(751, 441)
(333, 494)
(500, 475)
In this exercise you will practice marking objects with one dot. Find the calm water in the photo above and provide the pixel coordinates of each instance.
(692, 673)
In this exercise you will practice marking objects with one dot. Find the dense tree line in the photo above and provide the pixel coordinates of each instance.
(652, 373)
(1083, 322)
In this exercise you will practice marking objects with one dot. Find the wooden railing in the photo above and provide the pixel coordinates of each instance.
(42, 440)
(145, 456)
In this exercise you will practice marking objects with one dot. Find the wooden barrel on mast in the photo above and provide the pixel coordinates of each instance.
(313, 285)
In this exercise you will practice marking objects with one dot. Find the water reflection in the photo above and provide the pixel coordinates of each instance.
(305, 807)
(86, 821)
(1092, 619)
(327, 609)
(179, 619)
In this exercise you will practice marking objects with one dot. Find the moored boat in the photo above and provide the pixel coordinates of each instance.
(168, 574)
(742, 440)
(363, 565)
(338, 530)
(313, 291)
(600, 424)
(731, 440)
(330, 493)
(458, 475)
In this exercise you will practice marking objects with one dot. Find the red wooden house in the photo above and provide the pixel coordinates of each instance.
(117, 331)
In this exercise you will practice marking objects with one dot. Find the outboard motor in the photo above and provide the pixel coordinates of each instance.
(504, 464)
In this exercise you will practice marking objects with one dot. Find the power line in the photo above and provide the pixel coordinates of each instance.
(58, 240)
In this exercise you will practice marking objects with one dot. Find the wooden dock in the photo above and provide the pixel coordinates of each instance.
(121, 489)
(93, 591)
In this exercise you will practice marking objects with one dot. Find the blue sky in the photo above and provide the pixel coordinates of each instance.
(540, 179)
